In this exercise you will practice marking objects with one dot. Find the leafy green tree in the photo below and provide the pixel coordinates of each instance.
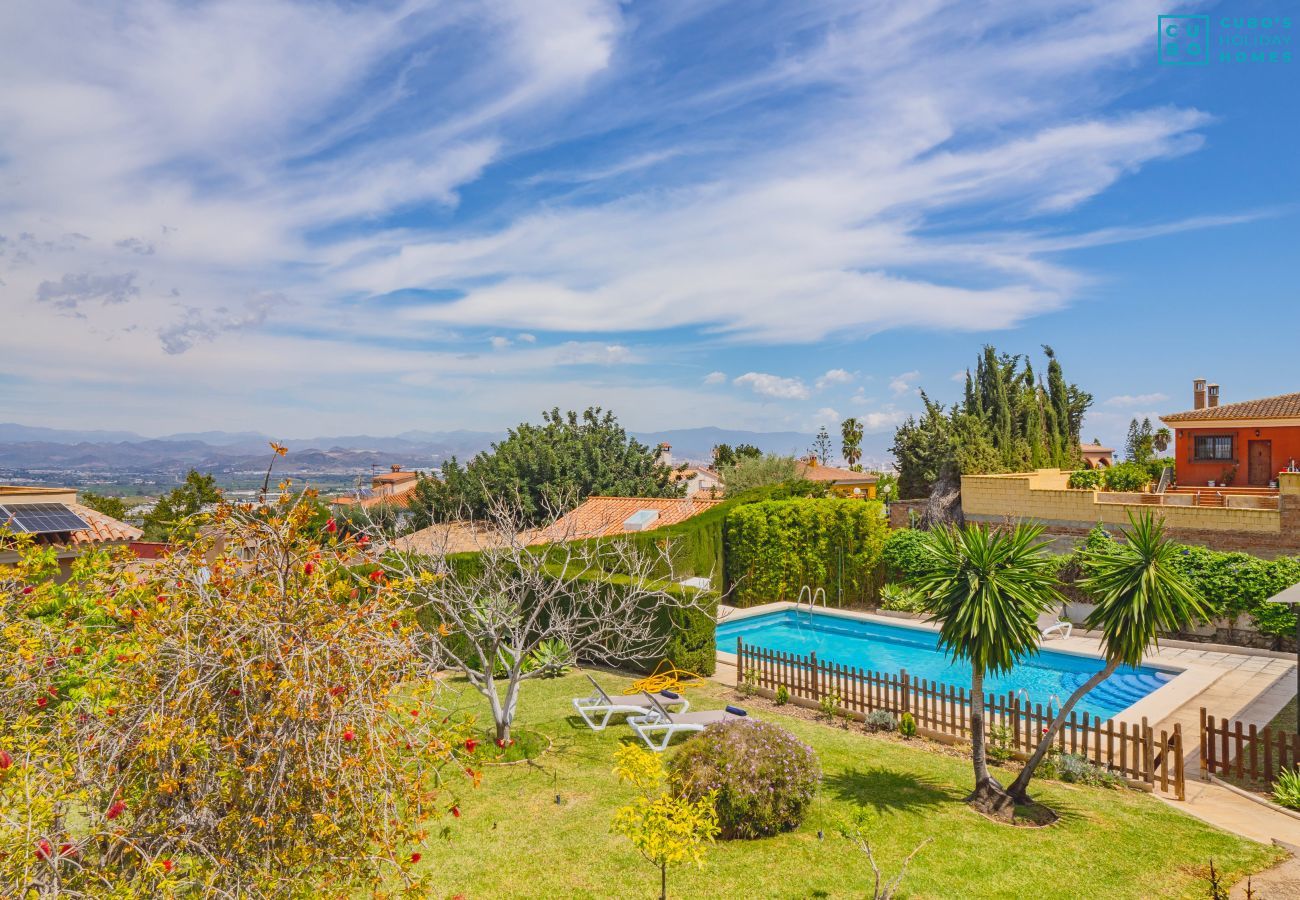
(921, 448)
(726, 455)
(109, 506)
(986, 590)
(172, 516)
(1008, 420)
(821, 446)
(1140, 592)
(551, 467)
(851, 431)
(752, 472)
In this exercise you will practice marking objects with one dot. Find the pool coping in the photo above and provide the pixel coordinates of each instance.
(1190, 678)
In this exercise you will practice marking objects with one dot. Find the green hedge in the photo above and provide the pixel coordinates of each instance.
(1233, 584)
(774, 547)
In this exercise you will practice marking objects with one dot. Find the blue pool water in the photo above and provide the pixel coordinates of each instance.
(1047, 677)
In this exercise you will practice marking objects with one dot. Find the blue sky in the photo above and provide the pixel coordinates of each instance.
(345, 217)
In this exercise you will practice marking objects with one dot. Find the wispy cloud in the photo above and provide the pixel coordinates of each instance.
(774, 386)
(715, 378)
(904, 382)
(834, 376)
(1129, 400)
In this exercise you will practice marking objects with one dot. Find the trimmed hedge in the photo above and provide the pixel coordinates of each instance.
(776, 547)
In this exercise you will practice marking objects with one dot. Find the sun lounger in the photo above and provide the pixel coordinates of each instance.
(659, 726)
(1049, 624)
(602, 706)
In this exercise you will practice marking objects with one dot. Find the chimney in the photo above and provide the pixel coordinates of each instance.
(396, 467)
(1198, 394)
(1212, 395)
(664, 456)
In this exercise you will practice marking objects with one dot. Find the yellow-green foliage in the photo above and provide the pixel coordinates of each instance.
(775, 547)
(215, 725)
(665, 827)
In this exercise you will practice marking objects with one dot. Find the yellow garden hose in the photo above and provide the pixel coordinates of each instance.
(665, 677)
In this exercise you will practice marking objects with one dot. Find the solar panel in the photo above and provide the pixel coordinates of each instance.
(41, 518)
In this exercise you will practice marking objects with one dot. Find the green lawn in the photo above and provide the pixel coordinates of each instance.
(1285, 719)
(514, 840)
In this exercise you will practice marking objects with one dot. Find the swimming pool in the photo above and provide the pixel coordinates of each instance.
(1047, 677)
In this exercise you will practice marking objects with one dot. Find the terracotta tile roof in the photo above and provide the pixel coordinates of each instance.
(451, 537)
(834, 475)
(603, 516)
(395, 477)
(397, 498)
(103, 529)
(1283, 406)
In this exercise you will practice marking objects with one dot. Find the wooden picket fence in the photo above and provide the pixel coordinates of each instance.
(1132, 751)
(1246, 753)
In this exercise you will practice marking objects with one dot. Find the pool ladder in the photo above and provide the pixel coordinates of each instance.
(813, 597)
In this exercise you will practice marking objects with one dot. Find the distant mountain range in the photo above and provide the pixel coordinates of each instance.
(24, 447)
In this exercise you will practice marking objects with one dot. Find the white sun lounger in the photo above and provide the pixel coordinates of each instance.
(602, 705)
(1049, 624)
(659, 726)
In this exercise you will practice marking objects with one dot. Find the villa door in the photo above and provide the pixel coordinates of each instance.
(1261, 463)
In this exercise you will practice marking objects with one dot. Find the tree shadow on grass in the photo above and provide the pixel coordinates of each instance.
(886, 790)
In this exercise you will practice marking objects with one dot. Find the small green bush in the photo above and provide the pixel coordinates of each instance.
(1128, 476)
(904, 557)
(901, 598)
(1078, 770)
(881, 720)
(764, 776)
(907, 725)
(830, 704)
(782, 695)
(1286, 790)
(999, 744)
(1085, 479)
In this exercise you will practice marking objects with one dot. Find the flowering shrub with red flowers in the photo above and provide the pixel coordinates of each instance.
(248, 716)
(761, 776)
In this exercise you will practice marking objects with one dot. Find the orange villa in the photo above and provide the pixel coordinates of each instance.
(1238, 445)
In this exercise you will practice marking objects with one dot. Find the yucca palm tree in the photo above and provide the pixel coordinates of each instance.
(1139, 593)
(987, 589)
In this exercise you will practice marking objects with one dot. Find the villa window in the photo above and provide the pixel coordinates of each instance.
(1212, 448)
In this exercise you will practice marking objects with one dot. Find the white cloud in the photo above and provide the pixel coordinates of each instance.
(881, 420)
(959, 376)
(591, 353)
(1127, 400)
(834, 376)
(773, 386)
(499, 342)
(903, 383)
(226, 152)
(827, 416)
(715, 378)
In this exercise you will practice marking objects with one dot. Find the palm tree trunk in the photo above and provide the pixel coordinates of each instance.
(988, 796)
(1019, 789)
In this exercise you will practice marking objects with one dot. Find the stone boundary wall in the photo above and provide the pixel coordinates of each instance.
(1042, 496)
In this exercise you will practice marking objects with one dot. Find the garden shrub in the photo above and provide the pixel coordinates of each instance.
(904, 557)
(881, 720)
(1233, 584)
(1286, 790)
(782, 695)
(1077, 769)
(1127, 476)
(775, 547)
(764, 777)
(901, 598)
(907, 725)
(1085, 479)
